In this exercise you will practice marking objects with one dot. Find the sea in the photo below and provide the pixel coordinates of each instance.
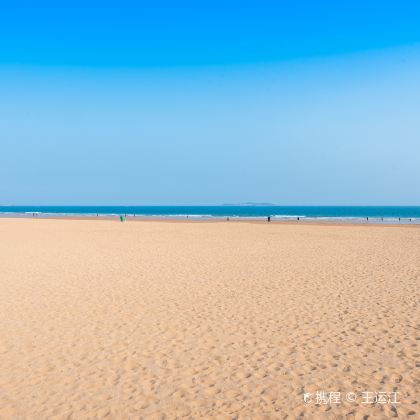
(362, 214)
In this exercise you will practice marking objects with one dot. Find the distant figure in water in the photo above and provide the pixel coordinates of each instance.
(399, 219)
(268, 218)
(382, 218)
(227, 218)
(298, 218)
(367, 219)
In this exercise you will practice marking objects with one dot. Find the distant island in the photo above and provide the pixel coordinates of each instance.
(249, 203)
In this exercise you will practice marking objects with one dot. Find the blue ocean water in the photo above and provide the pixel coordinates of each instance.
(245, 211)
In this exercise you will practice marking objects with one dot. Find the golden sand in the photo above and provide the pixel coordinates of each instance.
(206, 320)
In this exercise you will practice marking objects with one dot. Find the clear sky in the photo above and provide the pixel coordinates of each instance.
(206, 102)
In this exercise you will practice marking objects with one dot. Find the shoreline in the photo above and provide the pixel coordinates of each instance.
(216, 219)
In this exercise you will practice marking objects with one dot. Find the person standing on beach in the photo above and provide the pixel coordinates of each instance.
(268, 218)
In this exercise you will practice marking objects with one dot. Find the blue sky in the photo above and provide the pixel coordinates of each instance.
(304, 102)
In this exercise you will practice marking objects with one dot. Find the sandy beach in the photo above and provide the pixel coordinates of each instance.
(208, 320)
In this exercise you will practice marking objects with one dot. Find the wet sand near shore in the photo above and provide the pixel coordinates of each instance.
(172, 219)
(173, 319)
